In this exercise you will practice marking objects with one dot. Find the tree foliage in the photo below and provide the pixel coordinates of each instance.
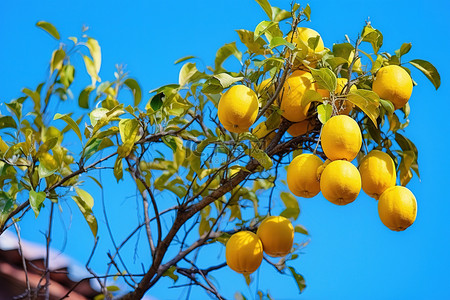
(191, 173)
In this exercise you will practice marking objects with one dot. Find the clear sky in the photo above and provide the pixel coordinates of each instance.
(351, 254)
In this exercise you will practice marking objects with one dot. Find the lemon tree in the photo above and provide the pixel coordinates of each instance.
(207, 152)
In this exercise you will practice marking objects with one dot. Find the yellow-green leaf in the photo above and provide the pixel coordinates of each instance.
(368, 102)
(94, 49)
(49, 28)
(70, 122)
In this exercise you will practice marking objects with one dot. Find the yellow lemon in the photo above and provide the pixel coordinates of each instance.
(291, 95)
(238, 108)
(340, 182)
(277, 235)
(302, 35)
(393, 83)
(302, 175)
(244, 252)
(377, 173)
(341, 138)
(397, 208)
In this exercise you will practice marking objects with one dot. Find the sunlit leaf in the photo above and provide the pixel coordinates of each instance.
(265, 5)
(133, 85)
(86, 210)
(70, 122)
(223, 53)
(254, 46)
(95, 51)
(368, 102)
(56, 62)
(298, 279)
(325, 78)
(36, 200)
(324, 112)
(292, 208)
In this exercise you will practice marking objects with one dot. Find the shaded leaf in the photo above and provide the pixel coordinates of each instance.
(7, 122)
(49, 28)
(403, 49)
(310, 96)
(133, 85)
(280, 41)
(301, 229)
(83, 99)
(156, 101)
(254, 46)
(292, 208)
(298, 279)
(428, 70)
(261, 156)
(224, 52)
(56, 62)
(180, 60)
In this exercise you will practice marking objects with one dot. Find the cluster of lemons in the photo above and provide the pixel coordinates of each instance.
(244, 249)
(340, 181)
(337, 178)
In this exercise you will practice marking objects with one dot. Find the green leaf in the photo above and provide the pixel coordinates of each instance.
(373, 36)
(57, 60)
(7, 122)
(387, 105)
(49, 28)
(96, 54)
(261, 156)
(408, 159)
(306, 12)
(254, 46)
(325, 78)
(301, 229)
(170, 142)
(403, 49)
(118, 169)
(133, 85)
(324, 112)
(292, 208)
(310, 96)
(86, 209)
(36, 200)
(428, 70)
(224, 52)
(34, 96)
(280, 41)
(266, 6)
(70, 122)
(157, 101)
(83, 99)
(298, 279)
(6, 203)
(170, 272)
(113, 288)
(180, 60)
(226, 80)
(368, 102)
(269, 29)
(279, 14)
(67, 75)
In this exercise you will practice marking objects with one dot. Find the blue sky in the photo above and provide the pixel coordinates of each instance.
(351, 254)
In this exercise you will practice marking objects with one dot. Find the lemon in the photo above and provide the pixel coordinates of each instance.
(397, 208)
(340, 182)
(244, 252)
(238, 108)
(277, 235)
(302, 175)
(291, 95)
(377, 173)
(341, 138)
(393, 83)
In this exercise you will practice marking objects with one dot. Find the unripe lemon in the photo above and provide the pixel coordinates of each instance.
(293, 89)
(300, 128)
(244, 252)
(397, 208)
(393, 83)
(302, 175)
(377, 173)
(340, 182)
(277, 235)
(341, 138)
(238, 108)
